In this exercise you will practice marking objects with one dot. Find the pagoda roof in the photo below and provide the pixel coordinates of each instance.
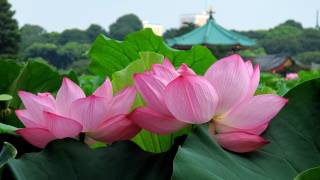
(211, 34)
(272, 61)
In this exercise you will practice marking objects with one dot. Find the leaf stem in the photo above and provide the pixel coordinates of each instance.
(82, 137)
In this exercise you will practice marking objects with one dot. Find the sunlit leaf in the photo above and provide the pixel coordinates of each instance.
(310, 174)
(109, 56)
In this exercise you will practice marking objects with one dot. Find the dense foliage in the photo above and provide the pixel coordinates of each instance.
(69, 48)
(124, 25)
(9, 33)
(289, 38)
(309, 57)
(175, 32)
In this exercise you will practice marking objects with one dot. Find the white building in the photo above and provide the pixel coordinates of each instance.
(156, 28)
(197, 19)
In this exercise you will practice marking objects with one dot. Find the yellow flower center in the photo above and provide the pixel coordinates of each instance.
(215, 119)
(218, 117)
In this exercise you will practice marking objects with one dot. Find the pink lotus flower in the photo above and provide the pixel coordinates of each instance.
(291, 76)
(174, 98)
(240, 116)
(101, 116)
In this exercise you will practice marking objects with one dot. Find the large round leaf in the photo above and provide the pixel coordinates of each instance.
(34, 76)
(310, 174)
(109, 56)
(71, 159)
(9, 70)
(294, 147)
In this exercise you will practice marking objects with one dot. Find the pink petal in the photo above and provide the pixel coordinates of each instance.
(90, 112)
(115, 129)
(230, 78)
(254, 112)
(259, 129)
(32, 101)
(152, 89)
(249, 67)
(68, 92)
(167, 63)
(291, 76)
(222, 128)
(36, 136)
(27, 120)
(191, 99)
(42, 101)
(122, 102)
(36, 105)
(62, 127)
(152, 121)
(185, 70)
(166, 74)
(254, 81)
(240, 142)
(47, 99)
(105, 90)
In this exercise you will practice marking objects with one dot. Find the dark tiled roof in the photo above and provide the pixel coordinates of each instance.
(270, 62)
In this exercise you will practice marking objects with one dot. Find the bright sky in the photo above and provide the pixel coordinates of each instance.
(57, 15)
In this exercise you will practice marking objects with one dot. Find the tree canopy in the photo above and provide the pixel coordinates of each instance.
(59, 49)
(31, 34)
(289, 37)
(175, 32)
(124, 25)
(9, 31)
(94, 30)
(59, 56)
(73, 35)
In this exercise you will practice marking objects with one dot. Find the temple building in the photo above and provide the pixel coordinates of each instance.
(274, 63)
(211, 35)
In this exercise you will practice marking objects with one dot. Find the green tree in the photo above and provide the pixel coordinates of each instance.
(252, 53)
(172, 33)
(45, 51)
(51, 37)
(80, 67)
(307, 58)
(71, 52)
(9, 32)
(258, 34)
(282, 39)
(31, 34)
(310, 39)
(93, 31)
(292, 23)
(73, 35)
(124, 25)
(59, 56)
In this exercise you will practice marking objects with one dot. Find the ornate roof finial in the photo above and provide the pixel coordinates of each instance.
(317, 20)
(211, 12)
